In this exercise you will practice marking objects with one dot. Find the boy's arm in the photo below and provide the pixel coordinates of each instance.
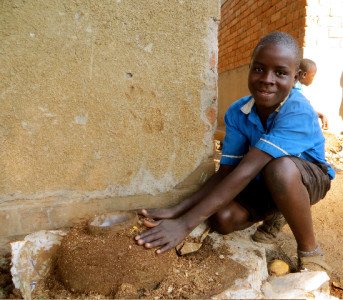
(170, 232)
(324, 120)
(180, 208)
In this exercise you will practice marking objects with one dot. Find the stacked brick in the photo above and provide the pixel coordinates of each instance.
(243, 22)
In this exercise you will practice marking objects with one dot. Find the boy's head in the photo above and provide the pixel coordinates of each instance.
(273, 70)
(308, 70)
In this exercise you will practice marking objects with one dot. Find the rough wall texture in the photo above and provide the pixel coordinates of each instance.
(105, 98)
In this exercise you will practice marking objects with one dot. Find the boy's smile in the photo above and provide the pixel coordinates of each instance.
(272, 74)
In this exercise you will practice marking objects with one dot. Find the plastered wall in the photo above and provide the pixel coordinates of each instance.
(104, 98)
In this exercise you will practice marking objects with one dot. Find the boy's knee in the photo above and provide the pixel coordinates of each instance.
(221, 222)
(228, 220)
(280, 170)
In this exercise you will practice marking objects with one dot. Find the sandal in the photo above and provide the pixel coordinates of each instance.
(313, 262)
(268, 231)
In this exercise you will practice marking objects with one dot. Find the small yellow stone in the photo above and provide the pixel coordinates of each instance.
(278, 268)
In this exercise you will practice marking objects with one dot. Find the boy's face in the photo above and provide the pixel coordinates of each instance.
(272, 75)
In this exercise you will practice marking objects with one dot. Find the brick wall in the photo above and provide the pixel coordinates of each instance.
(243, 22)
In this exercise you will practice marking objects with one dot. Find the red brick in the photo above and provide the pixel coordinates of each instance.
(246, 21)
(260, 3)
(280, 23)
(267, 4)
(275, 16)
(281, 4)
(253, 7)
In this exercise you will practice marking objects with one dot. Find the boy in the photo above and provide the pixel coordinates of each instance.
(308, 70)
(273, 159)
(271, 227)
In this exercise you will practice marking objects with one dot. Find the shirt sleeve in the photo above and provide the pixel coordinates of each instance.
(291, 133)
(235, 143)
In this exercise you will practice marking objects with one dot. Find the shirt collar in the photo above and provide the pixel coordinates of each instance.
(247, 107)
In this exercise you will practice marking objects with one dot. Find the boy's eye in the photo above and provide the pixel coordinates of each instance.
(280, 73)
(258, 69)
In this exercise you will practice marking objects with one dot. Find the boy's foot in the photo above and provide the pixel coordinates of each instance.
(269, 229)
(313, 261)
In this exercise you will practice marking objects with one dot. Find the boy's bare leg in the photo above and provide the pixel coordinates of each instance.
(284, 181)
(291, 197)
(232, 218)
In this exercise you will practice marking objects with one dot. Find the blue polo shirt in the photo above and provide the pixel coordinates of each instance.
(292, 129)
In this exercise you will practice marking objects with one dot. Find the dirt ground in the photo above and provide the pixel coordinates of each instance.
(112, 266)
(185, 279)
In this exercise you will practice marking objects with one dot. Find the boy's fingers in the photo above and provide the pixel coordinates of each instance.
(151, 224)
(164, 248)
(146, 233)
(155, 243)
(150, 239)
(144, 212)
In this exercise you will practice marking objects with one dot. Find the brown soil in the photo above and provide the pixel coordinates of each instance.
(102, 263)
(334, 150)
(200, 275)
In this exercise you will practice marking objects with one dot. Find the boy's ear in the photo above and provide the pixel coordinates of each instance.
(297, 76)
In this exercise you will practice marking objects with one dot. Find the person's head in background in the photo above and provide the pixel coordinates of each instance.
(308, 70)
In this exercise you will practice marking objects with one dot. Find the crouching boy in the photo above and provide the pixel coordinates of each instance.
(272, 161)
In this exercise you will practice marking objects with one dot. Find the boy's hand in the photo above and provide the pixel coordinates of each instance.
(165, 234)
(159, 213)
(324, 120)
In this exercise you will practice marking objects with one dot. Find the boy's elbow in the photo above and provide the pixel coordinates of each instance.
(225, 169)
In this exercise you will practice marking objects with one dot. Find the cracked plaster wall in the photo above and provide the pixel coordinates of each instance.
(105, 98)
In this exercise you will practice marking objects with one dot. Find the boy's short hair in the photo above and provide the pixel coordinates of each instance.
(280, 38)
(306, 64)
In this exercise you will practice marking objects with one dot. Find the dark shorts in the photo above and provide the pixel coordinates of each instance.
(256, 198)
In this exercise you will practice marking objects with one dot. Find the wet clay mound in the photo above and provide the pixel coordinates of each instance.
(105, 259)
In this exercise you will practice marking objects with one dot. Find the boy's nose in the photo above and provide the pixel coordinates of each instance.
(268, 77)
